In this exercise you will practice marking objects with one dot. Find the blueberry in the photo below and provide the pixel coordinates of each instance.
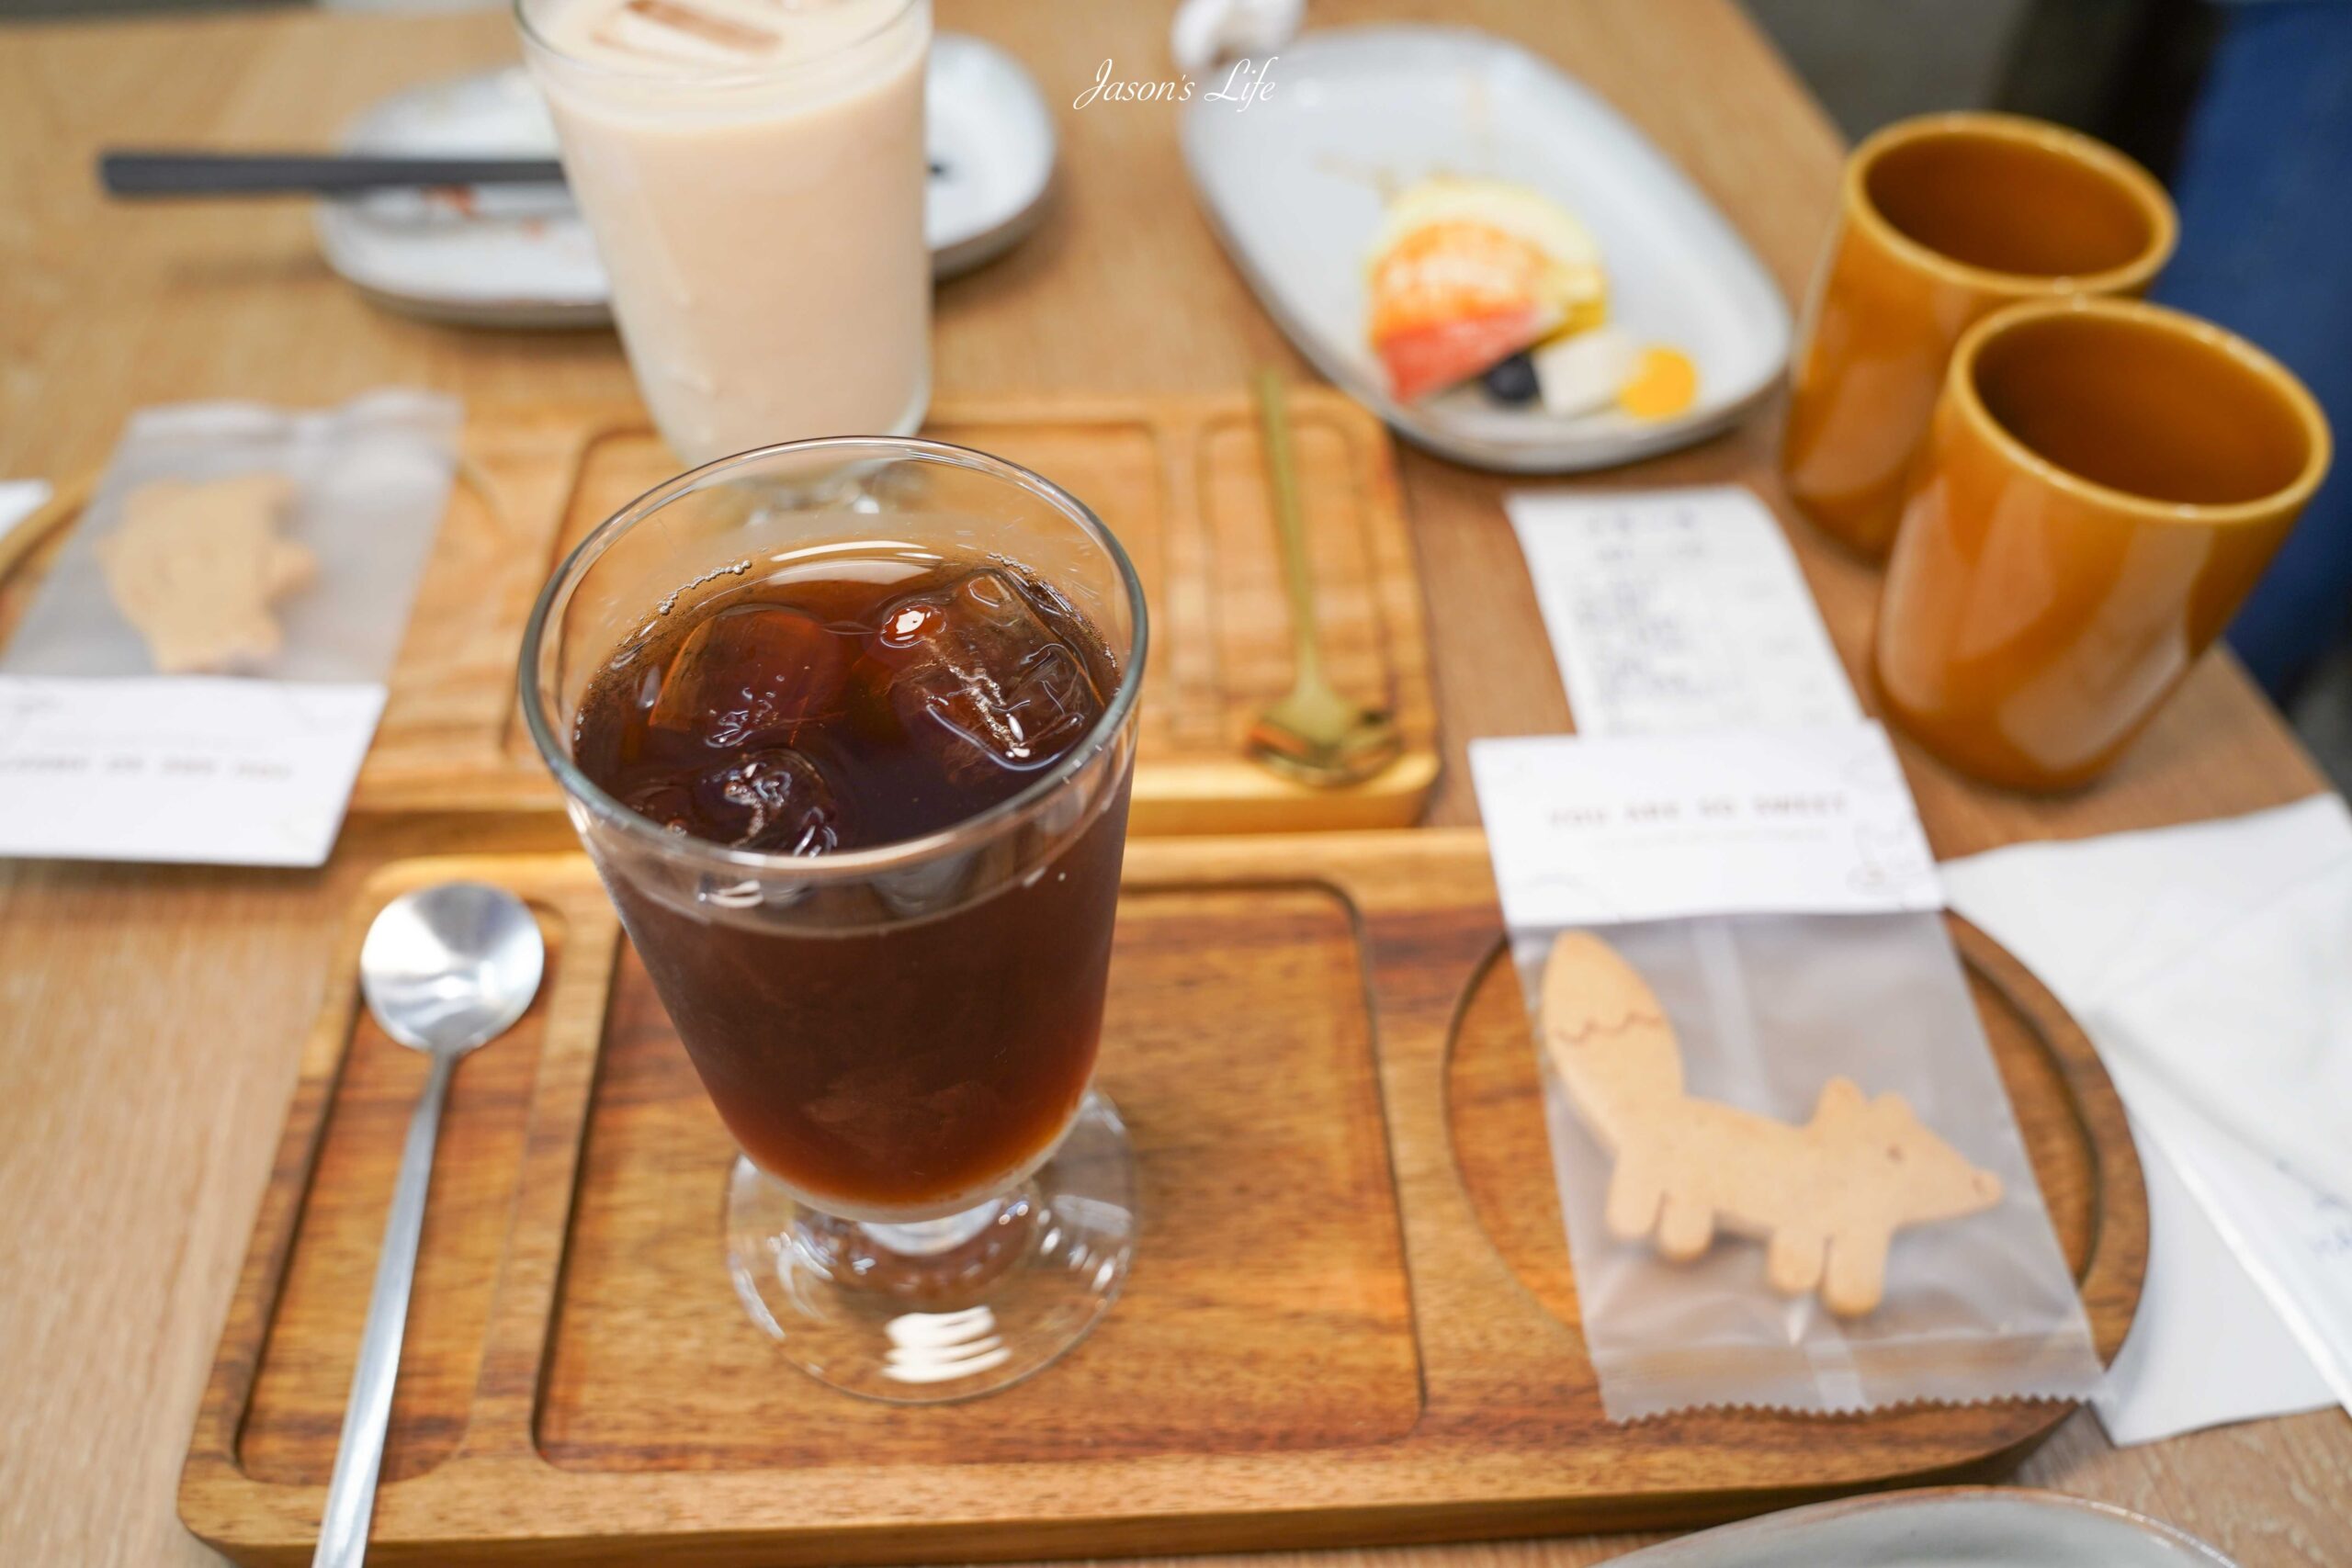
(1512, 381)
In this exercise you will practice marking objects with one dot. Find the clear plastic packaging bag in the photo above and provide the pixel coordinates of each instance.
(370, 480)
(1765, 1010)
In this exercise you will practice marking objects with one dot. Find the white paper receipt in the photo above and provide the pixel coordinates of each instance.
(188, 767)
(1677, 610)
(1593, 831)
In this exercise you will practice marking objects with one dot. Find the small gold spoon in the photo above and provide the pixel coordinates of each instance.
(1313, 734)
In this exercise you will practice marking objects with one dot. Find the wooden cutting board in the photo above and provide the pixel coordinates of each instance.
(1350, 1317)
(1178, 478)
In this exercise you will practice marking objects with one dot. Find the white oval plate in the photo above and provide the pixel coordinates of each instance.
(1957, 1527)
(521, 255)
(1293, 186)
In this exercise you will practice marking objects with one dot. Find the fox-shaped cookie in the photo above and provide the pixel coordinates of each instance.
(1825, 1198)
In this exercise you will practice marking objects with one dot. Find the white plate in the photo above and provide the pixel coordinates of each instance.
(504, 256)
(1294, 183)
(1959, 1527)
(521, 256)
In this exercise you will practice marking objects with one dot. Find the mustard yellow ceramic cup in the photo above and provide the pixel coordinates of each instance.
(1942, 220)
(2103, 483)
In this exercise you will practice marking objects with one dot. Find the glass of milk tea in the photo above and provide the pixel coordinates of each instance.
(753, 172)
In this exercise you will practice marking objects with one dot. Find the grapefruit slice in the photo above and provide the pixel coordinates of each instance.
(1429, 359)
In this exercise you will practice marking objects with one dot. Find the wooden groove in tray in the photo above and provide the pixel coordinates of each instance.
(1351, 1318)
(1178, 478)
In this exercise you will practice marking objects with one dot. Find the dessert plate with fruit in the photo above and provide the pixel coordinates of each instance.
(1485, 254)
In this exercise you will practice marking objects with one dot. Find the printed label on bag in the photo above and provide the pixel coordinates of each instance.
(1595, 831)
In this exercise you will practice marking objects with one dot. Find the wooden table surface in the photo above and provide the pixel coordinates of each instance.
(149, 1019)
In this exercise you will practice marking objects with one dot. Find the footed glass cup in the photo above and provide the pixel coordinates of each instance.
(934, 1203)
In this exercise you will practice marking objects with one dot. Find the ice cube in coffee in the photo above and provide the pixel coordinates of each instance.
(918, 1064)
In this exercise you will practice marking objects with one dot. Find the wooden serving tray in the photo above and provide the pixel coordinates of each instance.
(1178, 478)
(1350, 1317)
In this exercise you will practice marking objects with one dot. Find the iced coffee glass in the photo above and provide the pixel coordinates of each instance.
(754, 174)
(847, 727)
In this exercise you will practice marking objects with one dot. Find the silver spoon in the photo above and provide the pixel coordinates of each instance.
(445, 969)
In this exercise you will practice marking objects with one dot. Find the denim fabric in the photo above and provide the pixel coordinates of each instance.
(2264, 191)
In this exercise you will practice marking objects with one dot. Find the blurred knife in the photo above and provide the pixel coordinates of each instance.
(140, 173)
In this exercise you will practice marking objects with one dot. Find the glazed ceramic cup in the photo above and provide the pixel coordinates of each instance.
(2102, 484)
(1942, 221)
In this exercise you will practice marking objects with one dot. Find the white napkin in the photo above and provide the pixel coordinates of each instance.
(2219, 958)
(2212, 964)
(2207, 1348)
